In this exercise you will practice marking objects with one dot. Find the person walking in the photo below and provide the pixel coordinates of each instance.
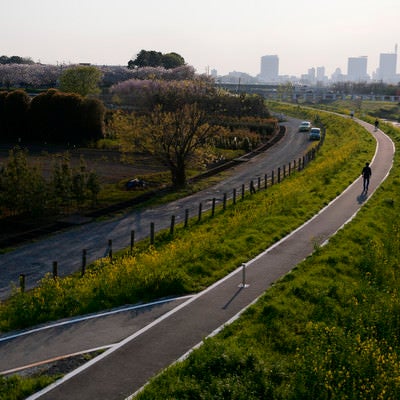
(376, 124)
(366, 174)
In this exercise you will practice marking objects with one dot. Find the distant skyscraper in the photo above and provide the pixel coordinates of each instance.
(269, 68)
(321, 74)
(311, 73)
(387, 67)
(357, 69)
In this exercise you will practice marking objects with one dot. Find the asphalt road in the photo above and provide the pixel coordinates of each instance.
(125, 367)
(34, 260)
(166, 334)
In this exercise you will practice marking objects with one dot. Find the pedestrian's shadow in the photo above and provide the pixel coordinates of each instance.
(362, 197)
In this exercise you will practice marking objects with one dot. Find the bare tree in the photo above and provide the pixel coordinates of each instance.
(175, 138)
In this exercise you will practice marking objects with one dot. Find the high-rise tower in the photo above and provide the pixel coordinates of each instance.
(269, 68)
(388, 66)
(357, 69)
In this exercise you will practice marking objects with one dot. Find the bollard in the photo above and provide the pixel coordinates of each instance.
(213, 207)
(234, 196)
(279, 175)
(200, 210)
(224, 202)
(83, 262)
(243, 284)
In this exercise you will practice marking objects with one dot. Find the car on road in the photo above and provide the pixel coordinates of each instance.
(305, 126)
(315, 134)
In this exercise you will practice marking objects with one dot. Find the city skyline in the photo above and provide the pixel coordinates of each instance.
(356, 71)
(224, 35)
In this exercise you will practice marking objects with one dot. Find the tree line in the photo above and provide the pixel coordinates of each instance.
(51, 117)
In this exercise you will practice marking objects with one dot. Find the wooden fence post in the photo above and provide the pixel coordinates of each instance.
(243, 189)
(55, 269)
(200, 210)
(22, 282)
(252, 188)
(152, 233)
(83, 262)
(171, 230)
(110, 251)
(186, 218)
(213, 207)
(224, 202)
(132, 240)
(234, 196)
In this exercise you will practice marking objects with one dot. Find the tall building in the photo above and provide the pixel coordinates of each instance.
(321, 74)
(357, 69)
(387, 67)
(269, 68)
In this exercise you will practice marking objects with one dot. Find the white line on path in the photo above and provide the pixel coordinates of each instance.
(92, 316)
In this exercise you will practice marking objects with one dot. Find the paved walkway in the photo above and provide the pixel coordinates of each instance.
(128, 365)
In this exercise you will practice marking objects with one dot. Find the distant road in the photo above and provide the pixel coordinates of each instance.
(36, 259)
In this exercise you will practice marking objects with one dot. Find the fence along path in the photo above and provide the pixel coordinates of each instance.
(250, 188)
(103, 239)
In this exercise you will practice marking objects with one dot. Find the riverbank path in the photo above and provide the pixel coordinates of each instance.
(129, 364)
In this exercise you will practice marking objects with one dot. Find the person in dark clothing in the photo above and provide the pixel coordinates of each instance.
(376, 124)
(366, 174)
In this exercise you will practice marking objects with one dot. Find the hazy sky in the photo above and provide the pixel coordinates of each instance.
(228, 35)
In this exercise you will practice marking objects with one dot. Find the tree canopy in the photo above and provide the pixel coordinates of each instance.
(15, 60)
(153, 58)
(82, 79)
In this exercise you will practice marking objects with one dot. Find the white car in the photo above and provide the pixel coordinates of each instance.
(305, 126)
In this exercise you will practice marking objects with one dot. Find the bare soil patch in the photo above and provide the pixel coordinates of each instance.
(108, 164)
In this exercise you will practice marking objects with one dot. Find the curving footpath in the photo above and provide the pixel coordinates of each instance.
(128, 365)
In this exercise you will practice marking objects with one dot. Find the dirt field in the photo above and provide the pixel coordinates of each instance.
(106, 163)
